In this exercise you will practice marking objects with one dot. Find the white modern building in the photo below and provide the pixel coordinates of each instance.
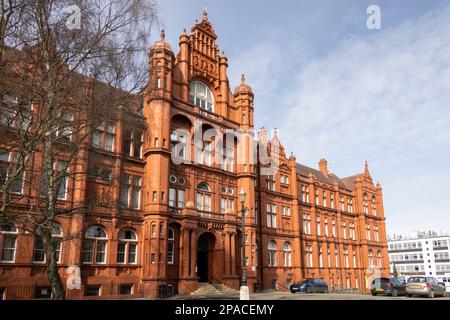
(425, 254)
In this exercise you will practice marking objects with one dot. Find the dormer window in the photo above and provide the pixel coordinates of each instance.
(201, 96)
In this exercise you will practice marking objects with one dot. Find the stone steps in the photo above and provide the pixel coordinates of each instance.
(207, 289)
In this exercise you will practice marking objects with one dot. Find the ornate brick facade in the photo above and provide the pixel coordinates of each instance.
(156, 222)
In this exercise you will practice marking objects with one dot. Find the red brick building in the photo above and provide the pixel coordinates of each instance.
(152, 221)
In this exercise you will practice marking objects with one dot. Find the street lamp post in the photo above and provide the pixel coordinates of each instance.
(244, 292)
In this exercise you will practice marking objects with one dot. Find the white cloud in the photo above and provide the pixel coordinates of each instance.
(383, 96)
(266, 65)
(384, 92)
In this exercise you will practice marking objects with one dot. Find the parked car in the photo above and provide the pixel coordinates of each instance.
(390, 286)
(310, 286)
(425, 286)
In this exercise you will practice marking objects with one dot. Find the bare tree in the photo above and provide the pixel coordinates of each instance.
(66, 67)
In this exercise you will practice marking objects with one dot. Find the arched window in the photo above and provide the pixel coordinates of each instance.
(170, 246)
(201, 96)
(94, 245)
(39, 253)
(127, 247)
(287, 255)
(272, 254)
(365, 203)
(379, 258)
(203, 197)
(370, 258)
(375, 231)
(8, 241)
(374, 207)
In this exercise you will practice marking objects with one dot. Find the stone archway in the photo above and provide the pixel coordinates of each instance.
(205, 257)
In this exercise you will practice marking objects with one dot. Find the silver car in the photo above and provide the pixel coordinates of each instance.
(425, 286)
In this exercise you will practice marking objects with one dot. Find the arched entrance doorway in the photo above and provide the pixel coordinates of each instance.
(205, 246)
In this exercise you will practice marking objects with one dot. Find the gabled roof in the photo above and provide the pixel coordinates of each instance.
(345, 183)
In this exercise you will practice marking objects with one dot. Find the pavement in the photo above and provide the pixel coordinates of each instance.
(302, 296)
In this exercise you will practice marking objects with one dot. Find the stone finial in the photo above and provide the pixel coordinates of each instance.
(205, 14)
(366, 169)
(163, 35)
(242, 78)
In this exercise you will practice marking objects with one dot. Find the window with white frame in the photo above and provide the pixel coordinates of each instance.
(271, 215)
(39, 252)
(374, 206)
(133, 141)
(229, 158)
(344, 230)
(304, 194)
(317, 197)
(346, 258)
(320, 257)
(326, 226)
(285, 211)
(324, 197)
(370, 258)
(103, 136)
(127, 247)
(270, 182)
(375, 231)
(130, 191)
(354, 259)
(333, 226)
(8, 111)
(309, 256)
(306, 223)
(94, 245)
(336, 258)
(350, 205)
(8, 162)
(379, 258)
(63, 171)
(287, 260)
(284, 179)
(328, 257)
(204, 151)
(14, 113)
(256, 211)
(170, 245)
(352, 231)
(8, 242)
(271, 254)
(332, 200)
(65, 127)
(368, 232)
(176, 198)
(318, 225)
(201, 96)
(365, 203)
(203, 197)
(341, 202)
(178, 144)
(256, 254)
(61, 180)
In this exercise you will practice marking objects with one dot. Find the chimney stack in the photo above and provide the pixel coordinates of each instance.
(262, 136)
(323, 167)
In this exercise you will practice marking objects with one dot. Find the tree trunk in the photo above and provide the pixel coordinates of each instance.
(54, 279)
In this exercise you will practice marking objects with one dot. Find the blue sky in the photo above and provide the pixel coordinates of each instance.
(340, 91)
